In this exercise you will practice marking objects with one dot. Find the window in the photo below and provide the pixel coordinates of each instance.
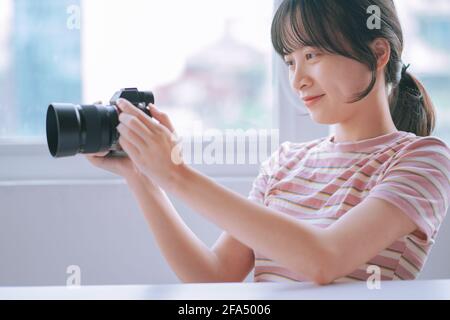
(206, 61)
(39, 62)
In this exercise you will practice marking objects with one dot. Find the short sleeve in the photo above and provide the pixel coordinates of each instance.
(417, 182)
(267, 170)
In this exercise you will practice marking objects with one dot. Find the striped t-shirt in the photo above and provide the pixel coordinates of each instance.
(319, 181)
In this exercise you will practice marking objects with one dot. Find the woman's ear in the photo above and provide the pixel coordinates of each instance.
(382, 50)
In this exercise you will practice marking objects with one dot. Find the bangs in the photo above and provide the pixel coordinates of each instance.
(320, 24)
(288, 29)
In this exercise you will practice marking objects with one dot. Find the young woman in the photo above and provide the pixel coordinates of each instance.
(369, 198)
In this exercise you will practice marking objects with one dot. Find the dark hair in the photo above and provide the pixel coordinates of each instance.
(341, 27)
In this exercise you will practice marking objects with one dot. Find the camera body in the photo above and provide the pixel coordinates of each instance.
(140, 99)
(73, 129)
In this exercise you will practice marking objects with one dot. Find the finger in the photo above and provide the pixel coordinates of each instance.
(94, 160)
(134, 124)
(100, 154)
(129, 148)
(126, 107)
(162, 117)
(96, 155)
(134, 137)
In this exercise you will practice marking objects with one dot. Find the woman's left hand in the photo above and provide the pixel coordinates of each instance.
(154, 148)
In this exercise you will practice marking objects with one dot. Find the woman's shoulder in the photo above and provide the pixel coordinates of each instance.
(419, 146)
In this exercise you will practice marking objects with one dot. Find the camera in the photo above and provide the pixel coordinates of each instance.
(73, 129)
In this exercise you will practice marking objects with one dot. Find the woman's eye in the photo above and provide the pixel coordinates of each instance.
(290, 65)
(310, 56)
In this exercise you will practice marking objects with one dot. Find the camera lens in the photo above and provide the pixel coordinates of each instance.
(73, 129)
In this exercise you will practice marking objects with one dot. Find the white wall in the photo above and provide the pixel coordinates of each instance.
(98, 226)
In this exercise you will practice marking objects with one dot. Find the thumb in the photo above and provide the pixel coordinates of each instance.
(162, 117)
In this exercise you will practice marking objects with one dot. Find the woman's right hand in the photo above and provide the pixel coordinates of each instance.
(122, 166)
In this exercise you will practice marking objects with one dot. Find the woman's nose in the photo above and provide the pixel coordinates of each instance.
(300, 80)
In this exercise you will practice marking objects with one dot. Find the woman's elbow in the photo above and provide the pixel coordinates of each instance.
(323, 277)
(325, 269)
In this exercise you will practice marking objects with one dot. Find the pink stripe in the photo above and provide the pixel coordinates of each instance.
(363, 275)
(414, 259)
(337, 212)
(384, 262)
(398, 245)
(301, 187)
(404, 274)
(335, 163)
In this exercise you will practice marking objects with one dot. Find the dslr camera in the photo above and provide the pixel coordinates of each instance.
(73, 129)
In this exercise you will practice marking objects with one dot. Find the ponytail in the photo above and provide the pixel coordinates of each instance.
(411, 107)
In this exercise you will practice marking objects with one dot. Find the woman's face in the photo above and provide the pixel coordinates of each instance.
(314, 73)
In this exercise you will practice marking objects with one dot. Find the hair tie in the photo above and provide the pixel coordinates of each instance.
(412, 90)
(404, 69)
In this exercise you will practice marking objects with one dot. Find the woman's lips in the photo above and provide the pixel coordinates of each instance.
(309, 101)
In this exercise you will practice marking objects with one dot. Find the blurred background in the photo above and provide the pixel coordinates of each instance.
(211, 64)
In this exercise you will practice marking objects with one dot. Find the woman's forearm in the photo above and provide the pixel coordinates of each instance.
(188, 256)
(296, 245)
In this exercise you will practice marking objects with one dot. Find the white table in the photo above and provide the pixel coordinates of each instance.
(410, 290)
